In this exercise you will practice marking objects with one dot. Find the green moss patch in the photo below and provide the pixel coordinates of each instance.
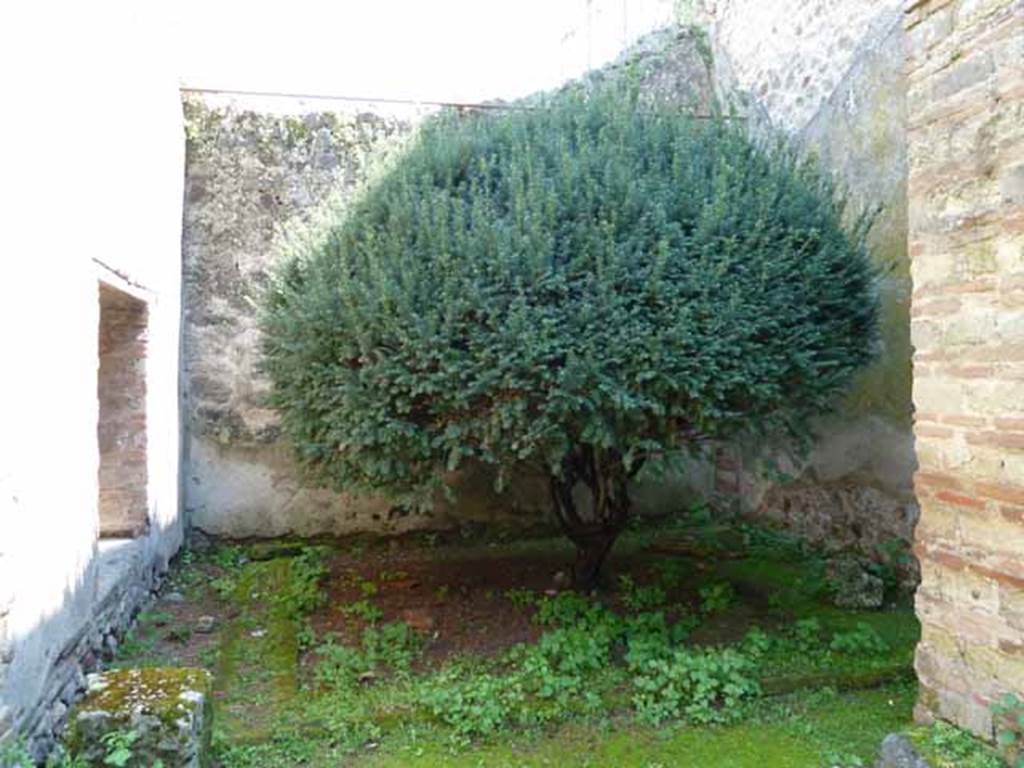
(256, 670)
(157, 690)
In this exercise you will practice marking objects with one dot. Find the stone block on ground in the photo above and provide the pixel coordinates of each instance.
(162, 714)
(854, 586)
(898, 752)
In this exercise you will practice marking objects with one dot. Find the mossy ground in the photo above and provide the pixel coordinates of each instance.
(797, 731)
(256, 671)
(280, 699)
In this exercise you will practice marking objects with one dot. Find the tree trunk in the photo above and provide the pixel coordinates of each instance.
(593, 530)
(590, 556)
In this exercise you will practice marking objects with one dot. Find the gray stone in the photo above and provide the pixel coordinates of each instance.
(174, 597)
(205, 624)
(73, 686)
(853, 586)
(898, 752)
(58, 711)
(199, 541)
(168, 710)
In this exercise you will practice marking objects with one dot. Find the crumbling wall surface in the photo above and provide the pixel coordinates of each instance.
(254, 175)
(788, 57)
(965, 63)
(829, 75)
(258, 174)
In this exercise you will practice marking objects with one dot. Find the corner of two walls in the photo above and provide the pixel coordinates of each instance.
(829, 76)
(261, 171)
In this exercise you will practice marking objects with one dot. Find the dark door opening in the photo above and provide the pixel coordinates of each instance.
(123, 475)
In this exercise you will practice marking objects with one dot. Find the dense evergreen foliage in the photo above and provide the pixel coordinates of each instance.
(580, 286)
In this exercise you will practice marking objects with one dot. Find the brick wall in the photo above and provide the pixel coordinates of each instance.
(965, 68)
(122, 414)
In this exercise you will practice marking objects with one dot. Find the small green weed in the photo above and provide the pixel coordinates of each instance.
(861, 641)
(306, 635)
(16, 754)
(637, 598)
(956, 748)
(567, 608)
(521, 598)
(756, 642)
(1009, 717)
(839, 759)
(715, 598)
(224, 586)
(808, 635)
(391, 647)
(229, 556)
(178, 635)
(365, 610)
(475, 707)
(302, 594)
(156, 618)
(702, 685)
(118, 746)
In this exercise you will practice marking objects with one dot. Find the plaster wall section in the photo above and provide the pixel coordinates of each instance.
(259, 172)
(788, 57)
(965, 64)
(104, 205)
(262, 174)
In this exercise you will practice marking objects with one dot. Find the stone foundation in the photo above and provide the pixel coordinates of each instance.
(126, 582)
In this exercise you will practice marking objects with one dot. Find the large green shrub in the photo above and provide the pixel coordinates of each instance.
(580, 287)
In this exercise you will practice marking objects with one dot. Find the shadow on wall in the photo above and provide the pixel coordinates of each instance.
(257, 492)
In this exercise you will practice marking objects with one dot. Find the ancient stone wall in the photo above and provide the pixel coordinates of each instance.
(790, 56)
(258, 170)
(829, 75)
(965, 64)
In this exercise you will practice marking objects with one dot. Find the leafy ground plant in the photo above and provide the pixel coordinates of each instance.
(1009, 716)
(704, 687)
(950, 747)
(528, 665)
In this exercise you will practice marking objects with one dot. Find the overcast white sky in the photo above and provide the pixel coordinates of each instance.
(444, 50)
